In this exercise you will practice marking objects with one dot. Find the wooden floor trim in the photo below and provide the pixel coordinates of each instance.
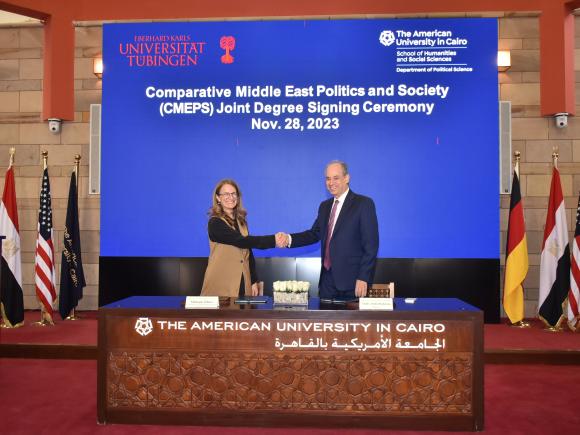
(48, 351)
(492, 356)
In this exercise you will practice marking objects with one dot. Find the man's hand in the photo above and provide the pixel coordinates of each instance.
(360, 288)
(255, 290)
(281, 240)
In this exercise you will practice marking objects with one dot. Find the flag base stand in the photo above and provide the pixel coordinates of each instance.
(6, 326)
(553, 329)
(72, 317)
(43, 322)
(521, 324)
(45, 319)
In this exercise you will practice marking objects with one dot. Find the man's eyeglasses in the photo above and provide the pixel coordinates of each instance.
(228, 195)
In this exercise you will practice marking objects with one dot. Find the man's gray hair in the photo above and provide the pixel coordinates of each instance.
(341, 163)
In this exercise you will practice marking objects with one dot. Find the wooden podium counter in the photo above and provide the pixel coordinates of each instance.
(417, 367)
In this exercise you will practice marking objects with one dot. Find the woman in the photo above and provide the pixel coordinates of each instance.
(231, 269)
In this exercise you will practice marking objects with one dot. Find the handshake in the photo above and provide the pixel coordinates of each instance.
(282, 240)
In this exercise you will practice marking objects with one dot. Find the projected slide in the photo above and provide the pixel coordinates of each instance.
(410, 105)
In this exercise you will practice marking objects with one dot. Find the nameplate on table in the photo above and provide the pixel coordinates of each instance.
(379, 304)
(201, 302)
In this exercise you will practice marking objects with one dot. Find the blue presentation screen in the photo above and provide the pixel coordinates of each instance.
(410, 105)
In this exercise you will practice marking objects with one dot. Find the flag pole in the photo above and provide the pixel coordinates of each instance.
(77, 163)
(5, 322)
(72, 315)
(522, 323)
(517, 155)
(555, 155)
(45, 318)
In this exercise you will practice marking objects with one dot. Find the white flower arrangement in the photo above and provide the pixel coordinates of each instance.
(291, 292)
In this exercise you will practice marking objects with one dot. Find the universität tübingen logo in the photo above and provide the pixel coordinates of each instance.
(170, 50)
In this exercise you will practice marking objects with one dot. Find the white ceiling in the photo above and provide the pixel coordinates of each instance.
(8, 18)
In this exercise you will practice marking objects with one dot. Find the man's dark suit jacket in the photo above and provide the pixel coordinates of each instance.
(354, 243)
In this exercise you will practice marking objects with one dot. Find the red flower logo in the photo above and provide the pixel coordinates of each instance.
(228, 43)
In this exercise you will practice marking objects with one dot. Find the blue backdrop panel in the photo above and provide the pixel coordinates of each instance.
(426, 152)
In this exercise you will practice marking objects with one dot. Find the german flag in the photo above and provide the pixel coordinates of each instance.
(516, 263)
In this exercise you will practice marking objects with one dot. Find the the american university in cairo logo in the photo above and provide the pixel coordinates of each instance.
(227, 43)
(144, 326)
(387, 37)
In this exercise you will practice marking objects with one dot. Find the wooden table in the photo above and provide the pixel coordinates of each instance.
(417, 367)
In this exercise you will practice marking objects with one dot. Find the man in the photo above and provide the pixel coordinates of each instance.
(347, 228)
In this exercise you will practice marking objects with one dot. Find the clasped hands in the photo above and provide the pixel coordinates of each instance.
(282, 240)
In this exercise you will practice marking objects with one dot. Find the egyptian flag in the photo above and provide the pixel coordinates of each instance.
(11, 285)
(516, 263)
(574, 292)
(555, 259)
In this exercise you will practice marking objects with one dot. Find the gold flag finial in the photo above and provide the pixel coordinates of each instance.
(517, 156)
(555, 157)
(77, 163)
(12, 152)
(44, 159)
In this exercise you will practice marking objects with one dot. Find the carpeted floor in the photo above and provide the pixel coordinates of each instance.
(82, 331)
(59, 396)
(55, 396)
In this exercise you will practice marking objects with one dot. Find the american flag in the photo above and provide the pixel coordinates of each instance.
(574, 292)
(44, 261)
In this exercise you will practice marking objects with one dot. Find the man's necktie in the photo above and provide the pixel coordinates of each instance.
(326, 261)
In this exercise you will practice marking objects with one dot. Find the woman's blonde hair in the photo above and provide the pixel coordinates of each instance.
(217, 210)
